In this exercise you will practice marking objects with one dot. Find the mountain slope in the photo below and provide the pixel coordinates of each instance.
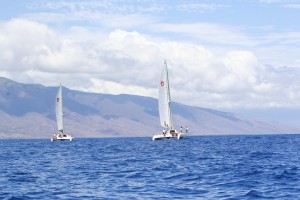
(27, 111)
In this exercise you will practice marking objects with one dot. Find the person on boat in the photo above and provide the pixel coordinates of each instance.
(164, 132)
(181, 129)
(186, 129)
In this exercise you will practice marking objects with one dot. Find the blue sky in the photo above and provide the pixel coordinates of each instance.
(228, 55)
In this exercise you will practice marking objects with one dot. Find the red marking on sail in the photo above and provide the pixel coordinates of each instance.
(162, 83)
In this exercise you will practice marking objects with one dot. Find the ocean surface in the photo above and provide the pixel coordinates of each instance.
(204, 167)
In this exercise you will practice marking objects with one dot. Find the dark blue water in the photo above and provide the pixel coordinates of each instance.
(211, 167)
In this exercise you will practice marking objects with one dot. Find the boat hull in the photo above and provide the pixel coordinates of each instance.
(167, 136)
(61, 138)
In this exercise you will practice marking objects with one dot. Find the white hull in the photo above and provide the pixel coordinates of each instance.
(167, 136)
(62, 137)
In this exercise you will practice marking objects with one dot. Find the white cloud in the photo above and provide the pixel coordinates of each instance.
(85, 18)
(200, 7)
(130, 62)
(241, 68)
(274, 1)
(100, 86)
(22, 40)
(208, 33)
(296, 6)
(103, 6)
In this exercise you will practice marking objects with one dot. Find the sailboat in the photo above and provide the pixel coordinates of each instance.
(165, 111)
(59, 119)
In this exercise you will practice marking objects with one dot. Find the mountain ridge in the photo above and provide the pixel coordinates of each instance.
(28, 111)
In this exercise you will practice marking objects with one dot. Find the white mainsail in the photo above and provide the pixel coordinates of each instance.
(59, 112)
(165, 113)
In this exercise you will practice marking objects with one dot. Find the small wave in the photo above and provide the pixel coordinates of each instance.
(186, 191)
(12, 197)
(135, 175)
(22, 177)
(237, 184)
(251, 172)
(175, 177)
(286, 174)
(261, 155)
(15, 198)
(253, 194)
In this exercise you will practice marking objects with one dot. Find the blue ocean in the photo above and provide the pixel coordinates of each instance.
(204, 167)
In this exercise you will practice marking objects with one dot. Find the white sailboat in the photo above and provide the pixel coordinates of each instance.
(165, 111)
(59, 119)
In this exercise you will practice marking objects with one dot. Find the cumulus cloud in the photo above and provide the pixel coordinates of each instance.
(130, 62)
(120, 57)
(22, 40)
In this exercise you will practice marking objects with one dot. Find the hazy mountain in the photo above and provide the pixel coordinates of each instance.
(27, 111)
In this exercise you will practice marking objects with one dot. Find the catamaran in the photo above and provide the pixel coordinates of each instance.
(165, 111)
(59, 119)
